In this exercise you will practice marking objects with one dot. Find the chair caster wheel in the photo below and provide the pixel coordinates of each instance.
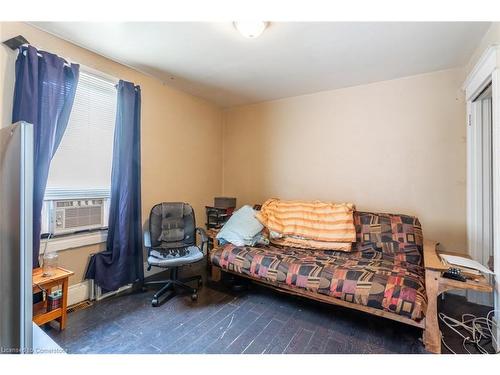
(194, 296)
(155, 303)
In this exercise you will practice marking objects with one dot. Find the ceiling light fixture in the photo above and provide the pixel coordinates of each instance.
(250, 29)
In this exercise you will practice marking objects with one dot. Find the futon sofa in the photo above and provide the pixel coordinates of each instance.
(383, 274)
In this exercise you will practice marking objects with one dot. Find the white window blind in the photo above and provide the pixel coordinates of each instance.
(84, 157)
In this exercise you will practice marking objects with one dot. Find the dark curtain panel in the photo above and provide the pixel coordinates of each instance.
(43, 96)
(122, 262)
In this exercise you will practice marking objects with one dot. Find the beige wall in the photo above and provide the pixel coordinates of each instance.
(76, 260)
(181, 134)
(395, 146)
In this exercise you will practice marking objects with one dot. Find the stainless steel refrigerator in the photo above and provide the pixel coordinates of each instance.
(16, 238)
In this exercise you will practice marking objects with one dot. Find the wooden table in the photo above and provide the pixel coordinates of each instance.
(212, 233)
(47, 283)
(212, 243)
(436, 284)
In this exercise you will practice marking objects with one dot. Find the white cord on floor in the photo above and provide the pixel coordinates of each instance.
(479, 330)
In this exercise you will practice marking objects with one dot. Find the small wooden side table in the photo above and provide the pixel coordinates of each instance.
(47, 283)
(435, 285)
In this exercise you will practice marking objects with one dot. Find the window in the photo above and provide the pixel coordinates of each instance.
(81, 166)
(83, 159)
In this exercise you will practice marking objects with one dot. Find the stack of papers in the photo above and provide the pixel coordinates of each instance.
(468, 266)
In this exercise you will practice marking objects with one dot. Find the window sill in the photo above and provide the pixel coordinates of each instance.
(73, 241)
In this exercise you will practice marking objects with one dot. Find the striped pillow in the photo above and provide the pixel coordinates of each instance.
(310, 220)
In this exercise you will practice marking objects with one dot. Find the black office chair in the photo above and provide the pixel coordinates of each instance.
(171, 243)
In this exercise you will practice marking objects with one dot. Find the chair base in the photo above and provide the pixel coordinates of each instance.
(171, 284)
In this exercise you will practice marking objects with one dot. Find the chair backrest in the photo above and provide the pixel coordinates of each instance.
(172, 225)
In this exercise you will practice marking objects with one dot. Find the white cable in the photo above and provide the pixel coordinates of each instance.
(478, 329)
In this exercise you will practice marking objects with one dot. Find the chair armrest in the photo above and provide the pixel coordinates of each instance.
(147, 239)
(204, 239)
(203, 234)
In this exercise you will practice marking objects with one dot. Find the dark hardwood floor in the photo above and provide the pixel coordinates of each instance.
(254, 321)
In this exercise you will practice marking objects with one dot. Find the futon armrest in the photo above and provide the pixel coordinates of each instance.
(432, 260)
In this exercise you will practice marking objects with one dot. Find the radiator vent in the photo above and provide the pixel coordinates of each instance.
(79, 306)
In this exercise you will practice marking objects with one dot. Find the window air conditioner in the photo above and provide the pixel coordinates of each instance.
(69, 216)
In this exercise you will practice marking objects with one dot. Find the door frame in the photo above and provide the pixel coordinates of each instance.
(485, 72)
(480, 189)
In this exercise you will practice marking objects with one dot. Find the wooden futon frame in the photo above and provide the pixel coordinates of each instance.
(435, 285)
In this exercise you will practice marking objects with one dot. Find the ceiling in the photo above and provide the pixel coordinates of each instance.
(213, 61)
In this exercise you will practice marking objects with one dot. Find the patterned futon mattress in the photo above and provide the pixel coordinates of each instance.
(385, 275)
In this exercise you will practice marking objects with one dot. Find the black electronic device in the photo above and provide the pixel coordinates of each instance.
(454, 274)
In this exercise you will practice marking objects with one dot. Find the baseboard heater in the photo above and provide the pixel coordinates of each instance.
(96, 293)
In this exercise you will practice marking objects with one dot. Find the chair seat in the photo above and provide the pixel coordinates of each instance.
(165, 259)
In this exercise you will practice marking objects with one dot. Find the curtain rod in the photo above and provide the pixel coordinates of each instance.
(19, 41)
(16, 42)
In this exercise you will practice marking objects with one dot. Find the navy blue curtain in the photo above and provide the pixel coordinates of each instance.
(122, 262)
(43, 96)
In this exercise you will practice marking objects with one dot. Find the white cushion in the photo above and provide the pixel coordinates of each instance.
(168, 259)
(241, 228)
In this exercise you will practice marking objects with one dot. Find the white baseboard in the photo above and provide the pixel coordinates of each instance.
(81, 291)
(78, 292)
(100, 296)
